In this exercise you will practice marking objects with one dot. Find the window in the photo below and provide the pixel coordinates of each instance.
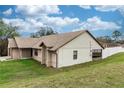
(96, 53)
(75, 54)
(97, 50)
(36, 52)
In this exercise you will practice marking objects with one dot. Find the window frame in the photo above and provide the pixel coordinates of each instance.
(75, 55)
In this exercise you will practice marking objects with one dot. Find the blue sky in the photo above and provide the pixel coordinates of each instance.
(99, 20)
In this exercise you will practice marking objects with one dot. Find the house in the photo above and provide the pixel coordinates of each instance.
(57, 50)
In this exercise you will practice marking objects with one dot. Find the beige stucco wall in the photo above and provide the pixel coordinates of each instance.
(39, 57)
(53, 58)
(9, 51)
(48, 58)
(45, 57)
(26, 53)
(82, 45)
(15, 53)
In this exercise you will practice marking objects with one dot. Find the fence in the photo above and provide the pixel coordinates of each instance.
(110, 51)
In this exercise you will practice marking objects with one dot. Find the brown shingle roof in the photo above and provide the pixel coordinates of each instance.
(22, 42)
(11, 43)
(53, 42)
(25, 42)
(56, 41)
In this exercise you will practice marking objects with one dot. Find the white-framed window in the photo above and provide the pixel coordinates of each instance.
(75, 54)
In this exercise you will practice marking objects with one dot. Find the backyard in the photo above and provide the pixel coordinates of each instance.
(108, 72)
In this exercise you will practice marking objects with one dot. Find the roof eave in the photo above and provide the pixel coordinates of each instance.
(94, 38)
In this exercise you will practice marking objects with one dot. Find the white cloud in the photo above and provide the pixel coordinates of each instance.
(85, 6)
(38, 16)
(95, 23)
(8, 12)
(112, 8)
(14, 22)
(106, 8)
(59, 21)
(33, 24)
(34, 10)
(28, 25)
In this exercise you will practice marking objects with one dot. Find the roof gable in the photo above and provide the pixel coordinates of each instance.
(94, 38)
(12, 43)
(26, 42)
(56, 41)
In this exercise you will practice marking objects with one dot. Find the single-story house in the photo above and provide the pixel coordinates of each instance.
(57, 50)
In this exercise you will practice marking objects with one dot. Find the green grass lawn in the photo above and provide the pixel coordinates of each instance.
(29, 73)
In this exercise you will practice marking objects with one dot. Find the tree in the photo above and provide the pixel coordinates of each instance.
(43, 32)
(104, 39)
(6, 31)
(116, 34)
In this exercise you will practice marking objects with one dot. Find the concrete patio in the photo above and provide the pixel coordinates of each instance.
(5, 58)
